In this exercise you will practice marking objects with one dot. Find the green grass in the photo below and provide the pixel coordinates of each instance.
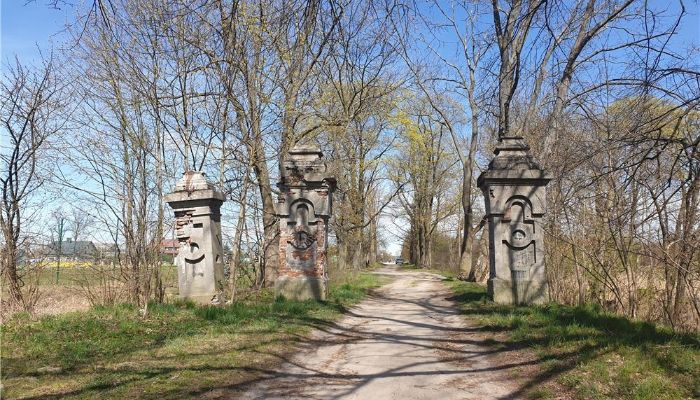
(178, 351)
(594, 354)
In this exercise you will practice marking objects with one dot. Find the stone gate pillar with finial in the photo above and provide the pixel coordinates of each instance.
(304, 208)
(514, 188)
(200, 264)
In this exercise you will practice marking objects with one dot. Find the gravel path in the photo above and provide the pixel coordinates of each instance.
(406, 342)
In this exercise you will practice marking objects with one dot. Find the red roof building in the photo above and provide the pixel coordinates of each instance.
(169, 246)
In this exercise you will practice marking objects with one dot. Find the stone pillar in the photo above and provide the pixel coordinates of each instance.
(304, 208)
(200, 260)
(514, 188)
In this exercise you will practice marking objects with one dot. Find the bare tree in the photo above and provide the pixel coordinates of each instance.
(32, 114)
(426, 169)
(354, 109)
(512, 22)
(452, 74)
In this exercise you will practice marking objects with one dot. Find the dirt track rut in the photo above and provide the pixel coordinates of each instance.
(406, 342)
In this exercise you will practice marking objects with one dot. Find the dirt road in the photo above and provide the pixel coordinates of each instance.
(406, 342)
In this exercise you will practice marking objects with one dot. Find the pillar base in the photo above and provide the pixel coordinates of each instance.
(521, 292)
(210, 299)
(300, 288)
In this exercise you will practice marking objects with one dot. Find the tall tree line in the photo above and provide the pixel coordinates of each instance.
(611, 114)
(406, 99)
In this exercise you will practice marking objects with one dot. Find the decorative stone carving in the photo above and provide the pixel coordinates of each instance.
(514, 188)
(200, 264)
(304, 208)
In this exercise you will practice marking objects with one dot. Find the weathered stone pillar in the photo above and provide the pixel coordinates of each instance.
(304, 208)
(200, 263)
(514, 193)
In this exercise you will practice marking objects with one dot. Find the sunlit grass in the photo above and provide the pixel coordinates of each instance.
(178, 350)
(595, 354)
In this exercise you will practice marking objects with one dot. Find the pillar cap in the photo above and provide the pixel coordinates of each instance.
(513, 164)
(193, 186)
(304, 167)
(305, 150)
(512, 153)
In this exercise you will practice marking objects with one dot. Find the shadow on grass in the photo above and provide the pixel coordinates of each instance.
(565, 339)
(285, 382)
(585, 338)
(67, 346)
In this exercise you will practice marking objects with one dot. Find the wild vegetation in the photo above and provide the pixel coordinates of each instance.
(406, 99)
(589, 352)
(177, 349)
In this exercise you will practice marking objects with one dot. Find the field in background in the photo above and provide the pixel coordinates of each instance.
(73, 273)
(77, 282)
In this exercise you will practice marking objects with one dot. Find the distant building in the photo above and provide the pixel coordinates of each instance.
(169, 246)
(106, 250)
(72, 250)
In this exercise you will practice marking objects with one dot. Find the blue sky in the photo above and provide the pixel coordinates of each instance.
(27, 28)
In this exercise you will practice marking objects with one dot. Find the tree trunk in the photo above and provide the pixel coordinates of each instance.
(269, 218)
(236, 245)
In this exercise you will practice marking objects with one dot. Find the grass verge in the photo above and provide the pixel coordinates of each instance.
(178, 351)
(594, 354)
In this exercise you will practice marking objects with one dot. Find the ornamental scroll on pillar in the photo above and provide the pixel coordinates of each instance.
(514, 188)
(199, 261)
(304, 208)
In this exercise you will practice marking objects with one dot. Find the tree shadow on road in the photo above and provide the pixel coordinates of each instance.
(537, 347)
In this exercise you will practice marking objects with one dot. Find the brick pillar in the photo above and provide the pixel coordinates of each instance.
(304, 208)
